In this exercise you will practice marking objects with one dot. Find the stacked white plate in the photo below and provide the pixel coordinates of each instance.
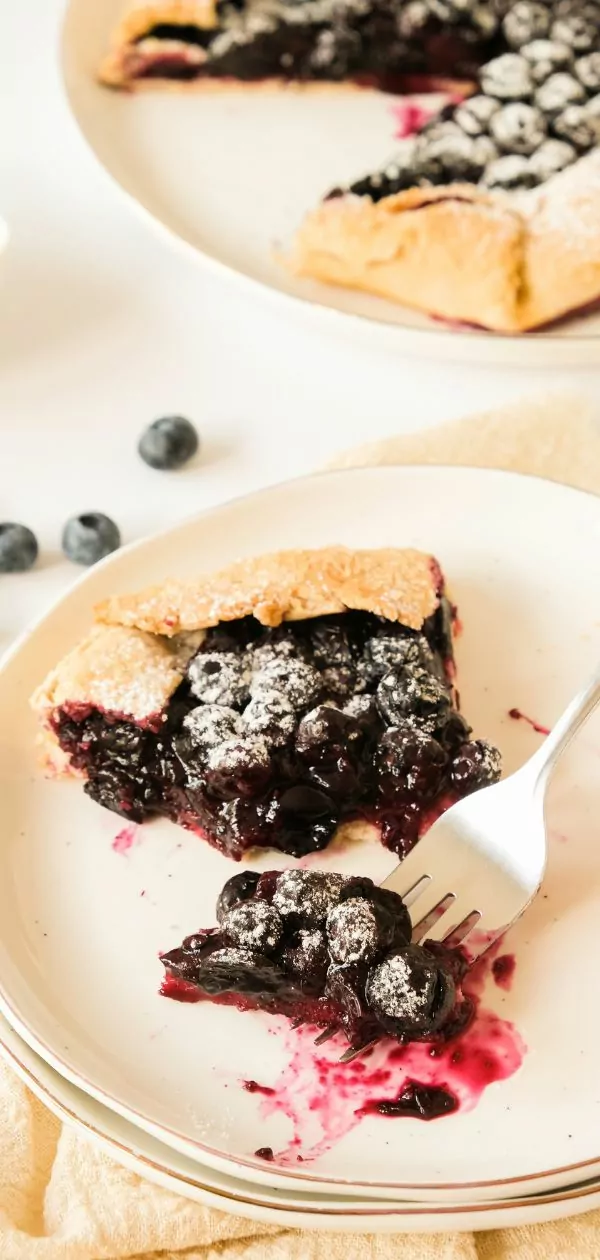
(227, 177)
(82, 918)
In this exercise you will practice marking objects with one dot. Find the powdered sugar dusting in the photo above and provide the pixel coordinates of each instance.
(568, 205)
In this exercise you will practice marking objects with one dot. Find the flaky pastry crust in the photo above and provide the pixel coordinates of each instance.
(119, 671)
(401, 585)
(133, 661)
(507, 262)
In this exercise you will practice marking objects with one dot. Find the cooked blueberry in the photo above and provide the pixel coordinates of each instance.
(307, 958)
(475, 765)
(339, 775)
(525, 21)
(557, 92)
(220, 678)
(307, 896)
(386, 652)
(118, 791)
(474, 114)
(393, 920)
(168, 443)
(453, 732)
(551, 157)
(519, 128)
(235, 970)
(546, 57)
(307, 820)
(239, 766)
(299, 682)
(265, 889)
(209, 725)
(239, 889)
(365, 713)
(270, 714)
(510, 173)
(449, 157)
(578, 126)
(413, 693)
(578, 30)
(330, 643)
(242, 823)
(254, 925)
(18, 548)
(353, 932)
(325, 732)
(346, 986)
(508, 78)
(411, 995)
(409, 764)
(206, 938)
(89, 537)
(587, 70)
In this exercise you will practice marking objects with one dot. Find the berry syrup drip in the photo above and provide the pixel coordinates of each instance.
(324, 1099)
(125, 840)
(517, 716)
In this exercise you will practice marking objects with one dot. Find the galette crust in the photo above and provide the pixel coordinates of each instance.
(132, 664)
(117, 670)
(118, 66)
(402, 585)
(503, 262)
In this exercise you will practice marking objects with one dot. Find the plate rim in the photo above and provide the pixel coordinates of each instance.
(12, 1014)
(450, 344)
(60, 1109)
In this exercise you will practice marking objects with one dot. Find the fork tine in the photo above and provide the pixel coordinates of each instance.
(297, 1022)
(458, 934)
(326, 1035)
(354, 1052)
(428, 921)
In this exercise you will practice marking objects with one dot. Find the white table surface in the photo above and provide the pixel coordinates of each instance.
(103, 329)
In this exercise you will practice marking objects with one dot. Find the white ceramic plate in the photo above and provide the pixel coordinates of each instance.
(146, 1156)
(231, 175)
(78, 941)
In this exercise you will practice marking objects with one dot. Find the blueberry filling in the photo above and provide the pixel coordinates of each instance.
(325, 948)
(277, 736)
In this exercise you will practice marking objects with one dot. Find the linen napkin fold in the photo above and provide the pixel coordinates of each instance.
(61, 1198)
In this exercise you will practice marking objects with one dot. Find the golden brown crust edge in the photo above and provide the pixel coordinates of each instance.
(134, 662)
(117, 670)
(504, 263)
(402, 585)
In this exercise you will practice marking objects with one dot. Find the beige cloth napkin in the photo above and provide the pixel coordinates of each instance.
(62, 1199)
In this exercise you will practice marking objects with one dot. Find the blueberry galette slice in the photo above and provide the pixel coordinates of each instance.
(323, 948)
(270, 703)
(490, 213)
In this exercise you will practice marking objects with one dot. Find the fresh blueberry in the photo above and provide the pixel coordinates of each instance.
(89, 537)
(168, 443)
(18, 548)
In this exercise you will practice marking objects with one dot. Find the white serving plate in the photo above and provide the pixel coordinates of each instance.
(147, 1157)
(229, 177)
(78, 942)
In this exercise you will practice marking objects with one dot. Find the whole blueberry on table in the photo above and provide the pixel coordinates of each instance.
(89, 537)
(18, 547)
(168, 443)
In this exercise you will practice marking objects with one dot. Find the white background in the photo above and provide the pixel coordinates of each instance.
(103, 329)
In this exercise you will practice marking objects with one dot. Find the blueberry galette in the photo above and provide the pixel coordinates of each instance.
(490, 212)
(323, 948)
(270, 703)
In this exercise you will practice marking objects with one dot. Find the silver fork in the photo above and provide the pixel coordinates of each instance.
(481, 864)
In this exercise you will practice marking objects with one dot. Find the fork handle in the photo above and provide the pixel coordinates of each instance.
(576, 713)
